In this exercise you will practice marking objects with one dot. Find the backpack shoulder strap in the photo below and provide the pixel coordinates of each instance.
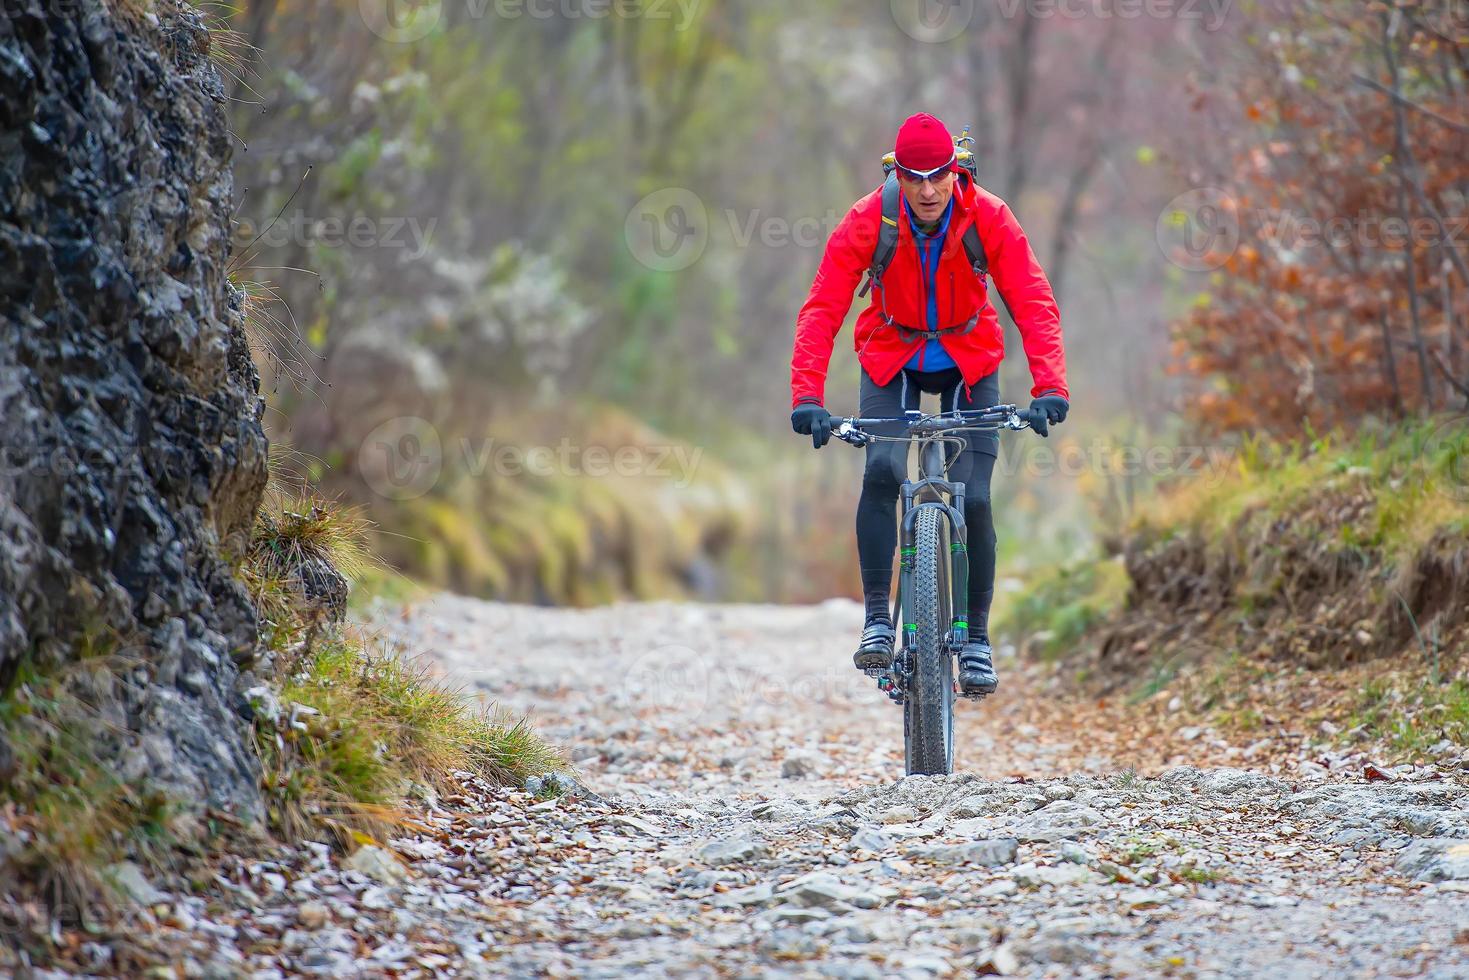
(887, 234)
(974, 248)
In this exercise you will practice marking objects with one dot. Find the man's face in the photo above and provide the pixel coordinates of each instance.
(928, 197)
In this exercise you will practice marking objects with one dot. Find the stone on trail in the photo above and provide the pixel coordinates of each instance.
(312, 915)
(870, 839)
(779, 811)
(324, 953)
(1084, 925)
(376, 863)
(998, 962)
(1436, 859)
(799, 765)
(989, 853)
(1229, 781)
(732, 850)
(818, 889)
(755, 895)
(128, 879)
(1144, 898)
(1058, 821)
(796, 914)
(1074, 853)
(977, 806)
(1030, 876)
(850, 970)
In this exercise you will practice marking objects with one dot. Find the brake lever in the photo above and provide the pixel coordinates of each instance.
(850, 434)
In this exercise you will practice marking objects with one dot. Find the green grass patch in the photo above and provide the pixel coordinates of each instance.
(1202, 876)
(1059, 609)
(352, 726)
(358, 726)
(68, 812)
(1414, 719)
(1415, 478)
(1138, 849)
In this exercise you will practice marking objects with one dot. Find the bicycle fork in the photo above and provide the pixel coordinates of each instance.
(958, 569)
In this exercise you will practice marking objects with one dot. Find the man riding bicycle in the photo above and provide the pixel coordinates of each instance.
(929, 328)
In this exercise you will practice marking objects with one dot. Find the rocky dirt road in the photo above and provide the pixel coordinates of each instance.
(755, 822)
(744, 815)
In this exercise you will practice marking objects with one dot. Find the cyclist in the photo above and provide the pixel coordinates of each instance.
(929, 328)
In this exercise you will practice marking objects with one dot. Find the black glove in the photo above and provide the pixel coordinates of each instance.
(814, 421)
(1046, 411)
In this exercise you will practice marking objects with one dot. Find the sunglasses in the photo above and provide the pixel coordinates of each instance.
(937, 175)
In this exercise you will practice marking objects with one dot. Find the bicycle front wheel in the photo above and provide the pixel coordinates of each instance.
(928, 707)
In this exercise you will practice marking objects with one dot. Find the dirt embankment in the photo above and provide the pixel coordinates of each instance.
(1318, 594)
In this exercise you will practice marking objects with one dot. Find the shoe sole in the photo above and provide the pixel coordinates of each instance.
(977, 692)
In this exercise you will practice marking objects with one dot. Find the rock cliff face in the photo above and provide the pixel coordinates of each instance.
(132, 457)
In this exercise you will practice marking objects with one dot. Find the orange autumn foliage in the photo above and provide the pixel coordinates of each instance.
(1348, 178)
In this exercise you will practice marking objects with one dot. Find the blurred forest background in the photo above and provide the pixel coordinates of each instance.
(469, 228)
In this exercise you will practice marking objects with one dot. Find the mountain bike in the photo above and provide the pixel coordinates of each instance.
(931, 591)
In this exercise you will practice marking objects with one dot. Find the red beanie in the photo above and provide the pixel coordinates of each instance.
(923, 143)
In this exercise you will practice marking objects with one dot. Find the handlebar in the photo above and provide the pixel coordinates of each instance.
(850, 429)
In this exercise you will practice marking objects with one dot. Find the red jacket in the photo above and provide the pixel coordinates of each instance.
(881, 349)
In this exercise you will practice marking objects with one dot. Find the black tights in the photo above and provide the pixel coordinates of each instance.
(877, 511)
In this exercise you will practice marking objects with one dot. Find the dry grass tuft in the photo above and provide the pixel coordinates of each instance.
(359, 725)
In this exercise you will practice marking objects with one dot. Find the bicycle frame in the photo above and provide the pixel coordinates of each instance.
(920, 676)
(932, 490)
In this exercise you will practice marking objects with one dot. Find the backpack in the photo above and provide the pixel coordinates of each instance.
(887, 232)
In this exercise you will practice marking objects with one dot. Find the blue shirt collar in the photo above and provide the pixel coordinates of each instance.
(943, 227)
